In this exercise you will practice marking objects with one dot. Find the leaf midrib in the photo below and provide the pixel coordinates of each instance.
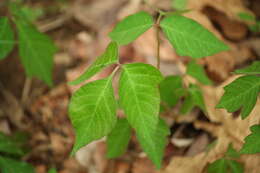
(97, 105)
(131, 83)
(34, 53)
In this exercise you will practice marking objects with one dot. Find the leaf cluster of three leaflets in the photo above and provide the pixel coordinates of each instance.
(93, 106)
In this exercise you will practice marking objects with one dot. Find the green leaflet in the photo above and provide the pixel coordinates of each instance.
(140, 99)
(8, 145)
(179, 4)
(8, 165)
(194, 98)
(235, 167)
(171, 90)
(6, 37)
(52, 170)
(131, 27)
(189, 38)
(118, 139)
(154, 145)
(252, 142)
(139, 94)
(32, 14)
(92, 111)
(218, 166)
(36, 51)
(241, 93)
(108, 58)
(253, 69)
(197, 71)
(246, 16)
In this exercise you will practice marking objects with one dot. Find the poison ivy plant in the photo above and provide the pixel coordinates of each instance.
(93, 111)
(35, 48)
(108, 58)
(241, 94)
(252, 141)
(131, 27)
(141, 87)
(154, 143)
(118, 139)
(189, 38)
(36, 56)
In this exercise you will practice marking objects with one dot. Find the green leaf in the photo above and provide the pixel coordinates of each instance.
(171, 90)
(187, 105)
(32, 14)
(253, 69)
(36, 50)
(8, 165)
(246, 16)
(131, 27)
(189, 38)
(6, 37)
(9, 146)
(218, 166)
(140, 99)
(154, 145)
(52, 170)
(179, 4)
(231, 152)
(252, 142)
(194, 98)
(92, 111)
(118, 139)
(235, 167)
(241, 93)
(197, 71)
(109, 57)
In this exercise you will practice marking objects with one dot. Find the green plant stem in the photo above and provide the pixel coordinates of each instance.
(157, 30)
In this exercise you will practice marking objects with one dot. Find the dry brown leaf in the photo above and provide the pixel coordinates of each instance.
(229, 7)
(143, 165)
(96, 14)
